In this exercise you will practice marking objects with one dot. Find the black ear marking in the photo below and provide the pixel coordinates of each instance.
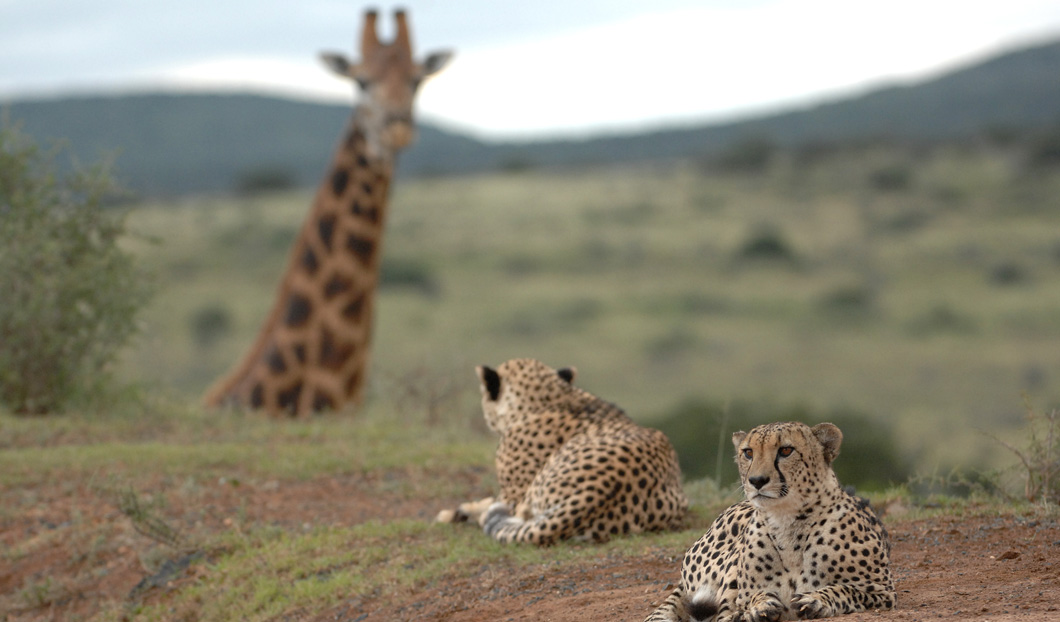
(492, 381)
(436, 61)
(566, 373)
(336, 62)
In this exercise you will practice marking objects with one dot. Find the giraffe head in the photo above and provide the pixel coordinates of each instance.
(387, 77)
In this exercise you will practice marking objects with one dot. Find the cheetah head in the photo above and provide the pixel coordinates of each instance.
(519, 387)
(783, 463)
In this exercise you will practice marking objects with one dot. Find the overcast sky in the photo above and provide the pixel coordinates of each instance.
(522, 69)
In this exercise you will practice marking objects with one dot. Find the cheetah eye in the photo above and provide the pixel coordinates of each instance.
(784, 452)
(748, 453)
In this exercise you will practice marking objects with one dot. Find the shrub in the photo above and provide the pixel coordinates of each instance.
(265, 179)
(397, 272)
(70, 293)
(1044, 150)
(210, 323)
(752, 154)
(891, 177)
(940, 319)
(767, 244)
(1039, 458)
(848, 302)
(1007, 273)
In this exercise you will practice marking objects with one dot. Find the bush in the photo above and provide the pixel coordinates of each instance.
(849, 301)
(1039, 458)
(767, 244)
(264, 180)
(749, 155)
(891, 177)
(400, 273)
(209, 324)
(701, 432)
(70, 294)
(1044, 150)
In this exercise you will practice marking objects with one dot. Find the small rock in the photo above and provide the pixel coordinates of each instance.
(1009, 555)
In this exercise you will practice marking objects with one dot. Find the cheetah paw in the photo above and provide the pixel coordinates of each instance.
(497, 514)
(808, 607)
(448, 516)
(765, 607)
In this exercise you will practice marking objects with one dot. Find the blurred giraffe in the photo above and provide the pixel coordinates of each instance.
(312, 351)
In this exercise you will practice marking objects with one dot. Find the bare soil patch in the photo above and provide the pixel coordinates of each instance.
(87, 559)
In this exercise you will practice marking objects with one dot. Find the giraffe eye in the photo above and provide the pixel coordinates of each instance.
(784, 452)
(748, 453)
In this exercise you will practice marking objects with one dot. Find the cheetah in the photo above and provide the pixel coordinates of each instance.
(569, 464)
(797, 547)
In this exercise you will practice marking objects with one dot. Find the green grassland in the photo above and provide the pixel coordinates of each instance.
(920, 288)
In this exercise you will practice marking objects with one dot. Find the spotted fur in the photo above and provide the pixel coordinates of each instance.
(569, 464)
(798, 547)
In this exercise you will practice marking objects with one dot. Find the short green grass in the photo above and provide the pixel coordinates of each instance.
(934, 305)
(176, 441)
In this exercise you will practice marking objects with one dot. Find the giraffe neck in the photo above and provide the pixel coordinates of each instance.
(312, 351)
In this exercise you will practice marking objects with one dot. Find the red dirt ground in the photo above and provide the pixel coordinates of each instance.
(88, 560)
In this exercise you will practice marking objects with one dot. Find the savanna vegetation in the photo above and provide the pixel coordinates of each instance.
(915, 289)
(910, 295)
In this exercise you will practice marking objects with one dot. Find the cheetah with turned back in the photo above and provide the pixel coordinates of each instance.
(569, 464)
(798, 547)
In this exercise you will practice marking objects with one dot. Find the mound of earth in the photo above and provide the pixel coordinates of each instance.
(87, 562)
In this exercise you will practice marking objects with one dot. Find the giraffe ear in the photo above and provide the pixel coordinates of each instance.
(567, 373)
(436, 62)
(338, 63)
(490, 382)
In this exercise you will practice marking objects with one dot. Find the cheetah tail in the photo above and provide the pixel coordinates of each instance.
(703, 605)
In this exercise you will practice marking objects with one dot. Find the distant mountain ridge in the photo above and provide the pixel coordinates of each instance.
(174, 144)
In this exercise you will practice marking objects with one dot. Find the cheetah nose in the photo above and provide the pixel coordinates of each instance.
(758, 481)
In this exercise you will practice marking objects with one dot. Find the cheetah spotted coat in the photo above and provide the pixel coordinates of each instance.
(798, 547)
(569, 464)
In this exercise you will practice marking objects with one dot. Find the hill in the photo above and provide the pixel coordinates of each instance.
(173, 144)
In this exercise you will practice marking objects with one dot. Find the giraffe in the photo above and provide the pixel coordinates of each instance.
(312, 351)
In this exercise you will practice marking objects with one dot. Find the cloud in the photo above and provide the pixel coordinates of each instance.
(697, 64)
(548, 67)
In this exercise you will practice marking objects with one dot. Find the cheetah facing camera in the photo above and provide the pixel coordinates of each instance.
(798, 547)
(569, 464)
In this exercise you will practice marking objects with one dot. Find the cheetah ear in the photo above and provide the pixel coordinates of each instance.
(567, 373)
(491, 381)
(830, 438)
(737, 438)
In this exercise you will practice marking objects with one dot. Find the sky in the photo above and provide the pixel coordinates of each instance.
(540, 69)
